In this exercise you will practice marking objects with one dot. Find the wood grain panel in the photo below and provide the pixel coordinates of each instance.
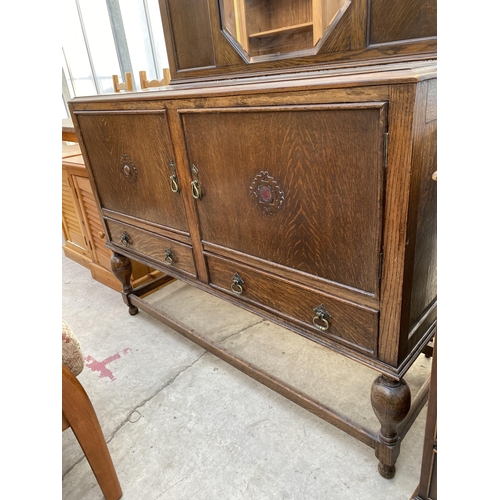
(393, 20)
(325, 160)
(424, 276)
(352, 325)
(418, 311)
(143, 137)
(191, 33)
(153, 246)
(359, 16)
(399, 163)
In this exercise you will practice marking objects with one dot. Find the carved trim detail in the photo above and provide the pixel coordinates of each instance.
(266, 193)
(128, 169)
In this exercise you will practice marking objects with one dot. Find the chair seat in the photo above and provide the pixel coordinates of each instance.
(72, 355)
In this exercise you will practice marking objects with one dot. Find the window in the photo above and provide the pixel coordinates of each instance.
(101, 38)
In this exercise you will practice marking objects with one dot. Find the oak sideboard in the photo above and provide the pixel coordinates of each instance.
(303, 196)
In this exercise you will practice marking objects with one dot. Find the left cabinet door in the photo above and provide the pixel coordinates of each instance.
(131, 158)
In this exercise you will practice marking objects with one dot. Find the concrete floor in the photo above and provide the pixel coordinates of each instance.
(182, 424)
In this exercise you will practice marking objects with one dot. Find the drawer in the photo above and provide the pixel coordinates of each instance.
(153, 246)
(343, 322)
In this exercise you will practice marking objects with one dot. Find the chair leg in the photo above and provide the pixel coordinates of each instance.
(80, 414)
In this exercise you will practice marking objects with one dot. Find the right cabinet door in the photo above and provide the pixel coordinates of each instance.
(300, 186)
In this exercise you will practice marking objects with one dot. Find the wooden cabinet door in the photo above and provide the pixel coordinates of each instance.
(129, 154)
(90, 213)
(73, 231)
(300, 186)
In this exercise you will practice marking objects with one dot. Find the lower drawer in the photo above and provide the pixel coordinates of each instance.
(158, 248)
(316, 312)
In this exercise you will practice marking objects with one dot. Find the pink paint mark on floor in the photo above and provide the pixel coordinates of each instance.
(101, 366)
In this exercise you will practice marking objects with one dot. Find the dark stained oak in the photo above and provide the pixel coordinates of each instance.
(122, 269)
(394, 20)
(207, 40)
(424, 278)
(152, 245)
(140, 140)
(391, 401)
(397, 198)
(325, 161)
(350, 324)
(83, 231)
(309, 204)
(190, 24)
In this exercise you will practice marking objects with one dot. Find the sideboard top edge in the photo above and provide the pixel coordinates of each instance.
(354, 77)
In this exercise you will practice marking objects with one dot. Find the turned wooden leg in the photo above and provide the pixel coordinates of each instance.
(391, 400)
(122, 269)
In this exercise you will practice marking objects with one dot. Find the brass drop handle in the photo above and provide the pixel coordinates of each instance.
(174, 183)
(320, 321)
(237, 284)
(195, 184)
(174, 186)
(169, 256)
(125, 239)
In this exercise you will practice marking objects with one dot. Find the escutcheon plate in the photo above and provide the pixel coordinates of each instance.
(266, 193)
(128, 169)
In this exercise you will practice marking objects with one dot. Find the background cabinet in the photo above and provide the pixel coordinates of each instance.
(85, 241)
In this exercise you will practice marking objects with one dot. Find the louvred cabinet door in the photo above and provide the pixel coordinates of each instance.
(299, 186)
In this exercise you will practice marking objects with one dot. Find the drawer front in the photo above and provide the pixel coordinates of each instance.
(300, 186)
(129, 155)
(163, 250)
(349, 324)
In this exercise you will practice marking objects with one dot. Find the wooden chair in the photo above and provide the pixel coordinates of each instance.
(79, 414)
(127, 85)
(145, 83)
